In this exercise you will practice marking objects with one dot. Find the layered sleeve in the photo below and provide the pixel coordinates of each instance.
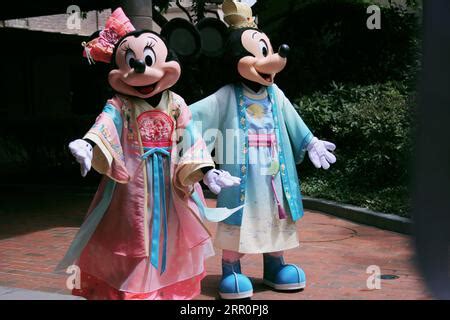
(299, 134)
(108, 157)
(192, 153)
(206, 119)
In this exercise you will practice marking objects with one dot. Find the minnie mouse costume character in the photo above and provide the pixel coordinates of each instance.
(270, 139)
(143, 237)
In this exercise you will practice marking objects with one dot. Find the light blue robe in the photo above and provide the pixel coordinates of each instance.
(222, 120)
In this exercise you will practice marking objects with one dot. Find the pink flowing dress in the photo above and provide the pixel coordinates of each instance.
(116, 262)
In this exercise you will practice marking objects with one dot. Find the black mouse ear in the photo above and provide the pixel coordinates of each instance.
(182, 38)
(213, 33)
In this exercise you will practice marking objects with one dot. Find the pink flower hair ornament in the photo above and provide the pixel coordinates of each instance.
(100, 49)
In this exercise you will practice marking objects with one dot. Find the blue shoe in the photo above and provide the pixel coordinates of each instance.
(234, 285)
(281, 276)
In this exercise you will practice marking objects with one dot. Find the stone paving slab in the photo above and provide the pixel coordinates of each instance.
(7, 293)
(335, 253)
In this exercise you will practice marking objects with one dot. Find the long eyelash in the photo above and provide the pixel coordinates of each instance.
(126, 48)
(150, 45)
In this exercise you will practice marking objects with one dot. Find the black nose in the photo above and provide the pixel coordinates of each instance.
(139, 66)
(284, 50)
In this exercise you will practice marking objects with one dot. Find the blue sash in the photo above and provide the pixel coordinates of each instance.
(159, 200)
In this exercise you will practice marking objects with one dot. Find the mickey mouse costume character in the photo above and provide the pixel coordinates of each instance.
(143, 237)
(270, 139)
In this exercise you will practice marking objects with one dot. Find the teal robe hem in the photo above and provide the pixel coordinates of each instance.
(219, 118)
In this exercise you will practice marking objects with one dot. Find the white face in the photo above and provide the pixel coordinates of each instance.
(142, 70)
(262, 64)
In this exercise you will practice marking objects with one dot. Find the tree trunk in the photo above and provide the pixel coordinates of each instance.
(139, 12)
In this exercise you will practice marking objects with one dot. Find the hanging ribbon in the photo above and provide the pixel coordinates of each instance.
(213, 214)
(269, 140)
(88, 227)
(159, 200)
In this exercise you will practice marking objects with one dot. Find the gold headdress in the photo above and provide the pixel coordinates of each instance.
(238, 15)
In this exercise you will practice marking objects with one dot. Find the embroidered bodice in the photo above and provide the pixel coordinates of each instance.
(156, 128)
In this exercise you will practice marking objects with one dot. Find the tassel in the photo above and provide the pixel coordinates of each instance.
(87, 51)
(281, 213)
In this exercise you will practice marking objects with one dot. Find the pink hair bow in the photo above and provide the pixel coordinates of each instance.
(101, 48)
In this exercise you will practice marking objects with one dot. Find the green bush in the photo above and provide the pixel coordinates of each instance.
(371, 126)
(330, 41)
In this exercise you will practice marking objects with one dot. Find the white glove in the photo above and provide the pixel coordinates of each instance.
(215, 180)
(319, 153)
(82, 151)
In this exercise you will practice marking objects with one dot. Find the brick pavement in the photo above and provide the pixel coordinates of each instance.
(35, 231)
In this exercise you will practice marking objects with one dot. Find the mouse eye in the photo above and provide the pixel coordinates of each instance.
(264, 48)
(149, 56)
(130, 58)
